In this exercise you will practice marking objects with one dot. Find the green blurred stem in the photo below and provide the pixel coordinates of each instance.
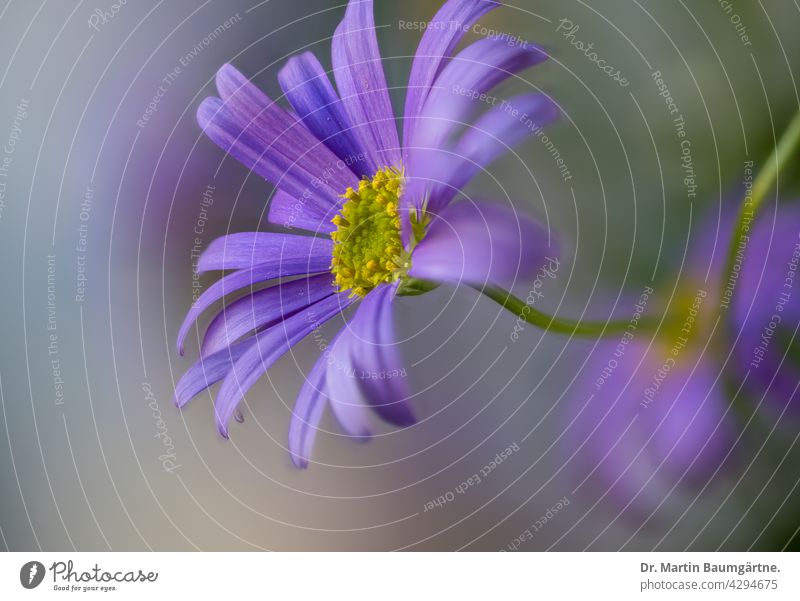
(526, 312)
(763, 183)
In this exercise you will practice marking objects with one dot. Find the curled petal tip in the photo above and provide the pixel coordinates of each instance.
(406, 420)
(299, 462)
(180, 343)
(222, 428)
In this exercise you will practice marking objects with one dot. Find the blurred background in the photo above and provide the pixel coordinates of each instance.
(106, 182)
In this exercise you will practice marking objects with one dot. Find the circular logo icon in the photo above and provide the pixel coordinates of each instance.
(31, 574)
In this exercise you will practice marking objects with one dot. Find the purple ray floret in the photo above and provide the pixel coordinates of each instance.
(765, 312)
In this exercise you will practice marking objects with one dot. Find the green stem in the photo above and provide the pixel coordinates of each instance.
(763, 183)
(589, 329)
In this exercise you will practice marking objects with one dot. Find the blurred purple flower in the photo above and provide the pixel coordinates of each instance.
(395, 226)
(650, 417)
(765, 311)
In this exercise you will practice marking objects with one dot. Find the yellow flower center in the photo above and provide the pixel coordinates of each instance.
(687, 312)
(367, 249)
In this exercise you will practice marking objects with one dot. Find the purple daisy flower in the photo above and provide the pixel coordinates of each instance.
(765, 311)
(651, 417)
(377, 215)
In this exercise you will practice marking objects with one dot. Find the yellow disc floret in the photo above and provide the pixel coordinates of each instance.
(367, 249)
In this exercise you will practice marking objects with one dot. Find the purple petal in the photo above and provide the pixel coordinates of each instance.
(207, 371)
(359, 76)
(270, 346)
(263, 309)
(307, 414)
(372, 351)
(765, 309)
(290, 212)
(456, 94)
(247, 249)
(495, 133)
(437, 44)
(347, 402)
(334, 376)
(271, 142)
(313, 98)
(481, 243)
(475, 70)
(276, 267)
(284, 134)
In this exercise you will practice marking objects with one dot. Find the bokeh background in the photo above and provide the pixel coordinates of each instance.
(102, 197)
